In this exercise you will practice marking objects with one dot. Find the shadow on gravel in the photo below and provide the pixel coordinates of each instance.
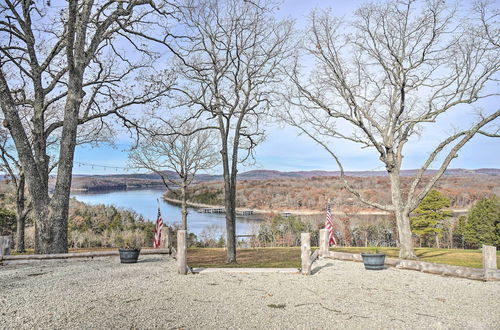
(149, 260)
(317, 269)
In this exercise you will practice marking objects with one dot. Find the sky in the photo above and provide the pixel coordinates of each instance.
(285, 150)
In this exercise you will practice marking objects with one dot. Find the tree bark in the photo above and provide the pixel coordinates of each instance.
(52, 218)
(21, 223)
(229, 203)
(402, 218)
(230, 223)
(20, 214)
(184, 211)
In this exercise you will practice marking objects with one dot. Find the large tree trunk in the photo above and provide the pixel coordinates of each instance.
(52, 218)
(184, 211)
(44, 235)
(20, 214)
(229, 199)
(51, 227)
(229, 205)
(406, 250)
(21, 224)
(229, 196)
(402, 218)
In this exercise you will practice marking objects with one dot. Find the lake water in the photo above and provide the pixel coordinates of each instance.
(144, 202)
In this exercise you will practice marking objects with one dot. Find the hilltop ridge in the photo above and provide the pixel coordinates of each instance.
(148, 180)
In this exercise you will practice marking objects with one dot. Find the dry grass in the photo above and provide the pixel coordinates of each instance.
(290, 256)
(467, 258)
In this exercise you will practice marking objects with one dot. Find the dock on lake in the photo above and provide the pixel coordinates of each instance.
(211, 210)
(222, 210)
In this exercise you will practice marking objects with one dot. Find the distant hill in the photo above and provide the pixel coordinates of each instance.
(269, 174)
(127, 181)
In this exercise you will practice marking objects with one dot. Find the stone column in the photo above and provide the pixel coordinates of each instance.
(489, 260)
(5, 245)
(305, 246)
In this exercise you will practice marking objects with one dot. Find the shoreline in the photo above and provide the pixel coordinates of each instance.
(255, 211)
(292, 212)
(268, 211)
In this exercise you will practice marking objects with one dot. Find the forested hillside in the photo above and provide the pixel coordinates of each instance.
(312, 193)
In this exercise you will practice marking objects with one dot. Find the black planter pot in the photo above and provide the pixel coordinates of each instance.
(373, 261)
(129, 256)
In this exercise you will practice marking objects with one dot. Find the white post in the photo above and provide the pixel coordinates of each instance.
(305, 246)
(4, 246)
(489, 259)
(166, 238)
(323, 243)
(181, 252)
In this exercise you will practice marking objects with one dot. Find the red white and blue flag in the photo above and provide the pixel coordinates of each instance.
(158, 228)
(329, 225)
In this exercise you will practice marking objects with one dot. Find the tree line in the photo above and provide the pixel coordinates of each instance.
(69, 73)
(432, 225)
(311, 194)
(89, 226)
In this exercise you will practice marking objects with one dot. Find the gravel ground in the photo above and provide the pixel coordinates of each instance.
(104, 294)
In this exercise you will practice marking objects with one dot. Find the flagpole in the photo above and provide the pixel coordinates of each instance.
(158, 227)
(159, 210)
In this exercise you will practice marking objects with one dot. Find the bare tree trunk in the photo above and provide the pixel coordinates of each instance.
(437, 241)
(20, 214)
(44, 235)
(405, 240)
(230, 197)
(52, 232)
(51, 225)
(184, 211)
(229, 204)
(402, 218)
(21, 224)
(450, 237)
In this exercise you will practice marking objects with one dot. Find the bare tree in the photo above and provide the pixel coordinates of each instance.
(228, 70)
(64, 66)
(186, 155)
(382, 79)
(9, 164)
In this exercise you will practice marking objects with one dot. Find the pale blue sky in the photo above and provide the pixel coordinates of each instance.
(284, 150)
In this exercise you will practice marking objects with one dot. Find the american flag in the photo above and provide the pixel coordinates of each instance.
(329, 225)
(158, 227)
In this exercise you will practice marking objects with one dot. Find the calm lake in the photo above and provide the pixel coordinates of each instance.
(144, 202)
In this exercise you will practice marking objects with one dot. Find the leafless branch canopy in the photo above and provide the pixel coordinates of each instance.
(64, 68)
(230, 66)
(399, 66)
(186, 155)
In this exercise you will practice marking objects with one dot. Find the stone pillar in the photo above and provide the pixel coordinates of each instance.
(323, 243)
(305, 246)
(489, 259)
(181, 252)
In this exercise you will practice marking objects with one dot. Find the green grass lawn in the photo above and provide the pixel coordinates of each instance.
(290, 257)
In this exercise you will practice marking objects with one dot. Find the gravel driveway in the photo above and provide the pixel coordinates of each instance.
(104, 294)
